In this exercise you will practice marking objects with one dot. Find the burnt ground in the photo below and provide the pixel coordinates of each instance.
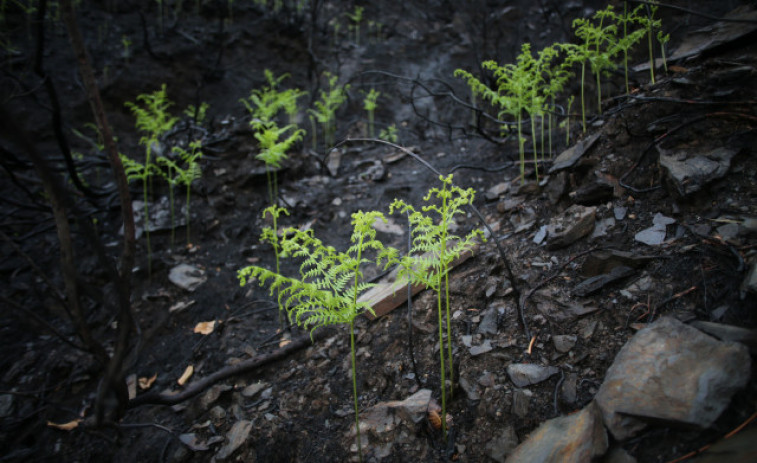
(303, 411)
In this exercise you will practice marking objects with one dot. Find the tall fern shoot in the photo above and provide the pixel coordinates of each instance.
(441, 248)
(330, 284)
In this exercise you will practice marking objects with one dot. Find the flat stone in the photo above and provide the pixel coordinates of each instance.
(564, 342)
(413, 409)
(187, 277)
(488, 324)
(496, 191)
(570, 226)
(250, 391)
(471, 391)
(578, 438)
(655, 235)
(483, 348)
(689, 171)
(521, 402)
(671, 372)
(234, 439)
(525, 374)
(571, 155)
(595, 283)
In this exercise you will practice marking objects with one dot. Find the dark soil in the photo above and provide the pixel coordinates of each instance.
(306, 415)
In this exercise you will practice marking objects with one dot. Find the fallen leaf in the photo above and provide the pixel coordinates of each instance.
(185, 376)
(65, 426)
(145, 383)
(205, 327)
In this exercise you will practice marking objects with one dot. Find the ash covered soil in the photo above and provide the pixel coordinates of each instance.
(661, 185)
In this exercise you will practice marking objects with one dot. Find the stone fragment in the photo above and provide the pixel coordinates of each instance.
(6, 405)
(595, 283)
(234, 439)
(253, 389)
(388, 226)
(521, 402)
(502, 445)
(578, 438)
(655, 235)
(690, 171)
(570, 226)
(381, 416)
(496, 191)
(568, 389)
(564, 342)
(488, 324)
(571, 155)
(483, 348)
(601, 227)
(525, 374)
(561, 310)
(671, 372)
(471, 391)
(187, 277)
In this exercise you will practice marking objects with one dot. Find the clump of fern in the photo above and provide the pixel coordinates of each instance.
(154, 120)
(433, 250)
(264, 105)
(185, 171)
(325, 108)
(329, 286)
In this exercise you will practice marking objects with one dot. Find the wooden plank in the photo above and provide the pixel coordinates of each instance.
(390, 293)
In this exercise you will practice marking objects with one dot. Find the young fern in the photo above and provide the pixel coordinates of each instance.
(370, 106)
(511, 96)
(273, 151)
(432, 269)
(330, 284)
(154, 119)
(326, 107)
(137, 171)
(182, 175)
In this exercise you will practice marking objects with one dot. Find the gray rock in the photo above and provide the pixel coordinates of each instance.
(655, 235)
(525, 374)
(488, 324)
(485, 347)
(578, 438)
(673, 373)
(253, 389)
(521, 402)
(570, 226)
(471, 391)
(571, 155)
(568, 388)
(385, 416)
(187, 277)
(234, 439)
(690, 171)
(502, 445)
(564, 342)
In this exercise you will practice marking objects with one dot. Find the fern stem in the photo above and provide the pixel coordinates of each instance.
(441, 358)
(189, 189)
(352, 348)
(583, 107)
